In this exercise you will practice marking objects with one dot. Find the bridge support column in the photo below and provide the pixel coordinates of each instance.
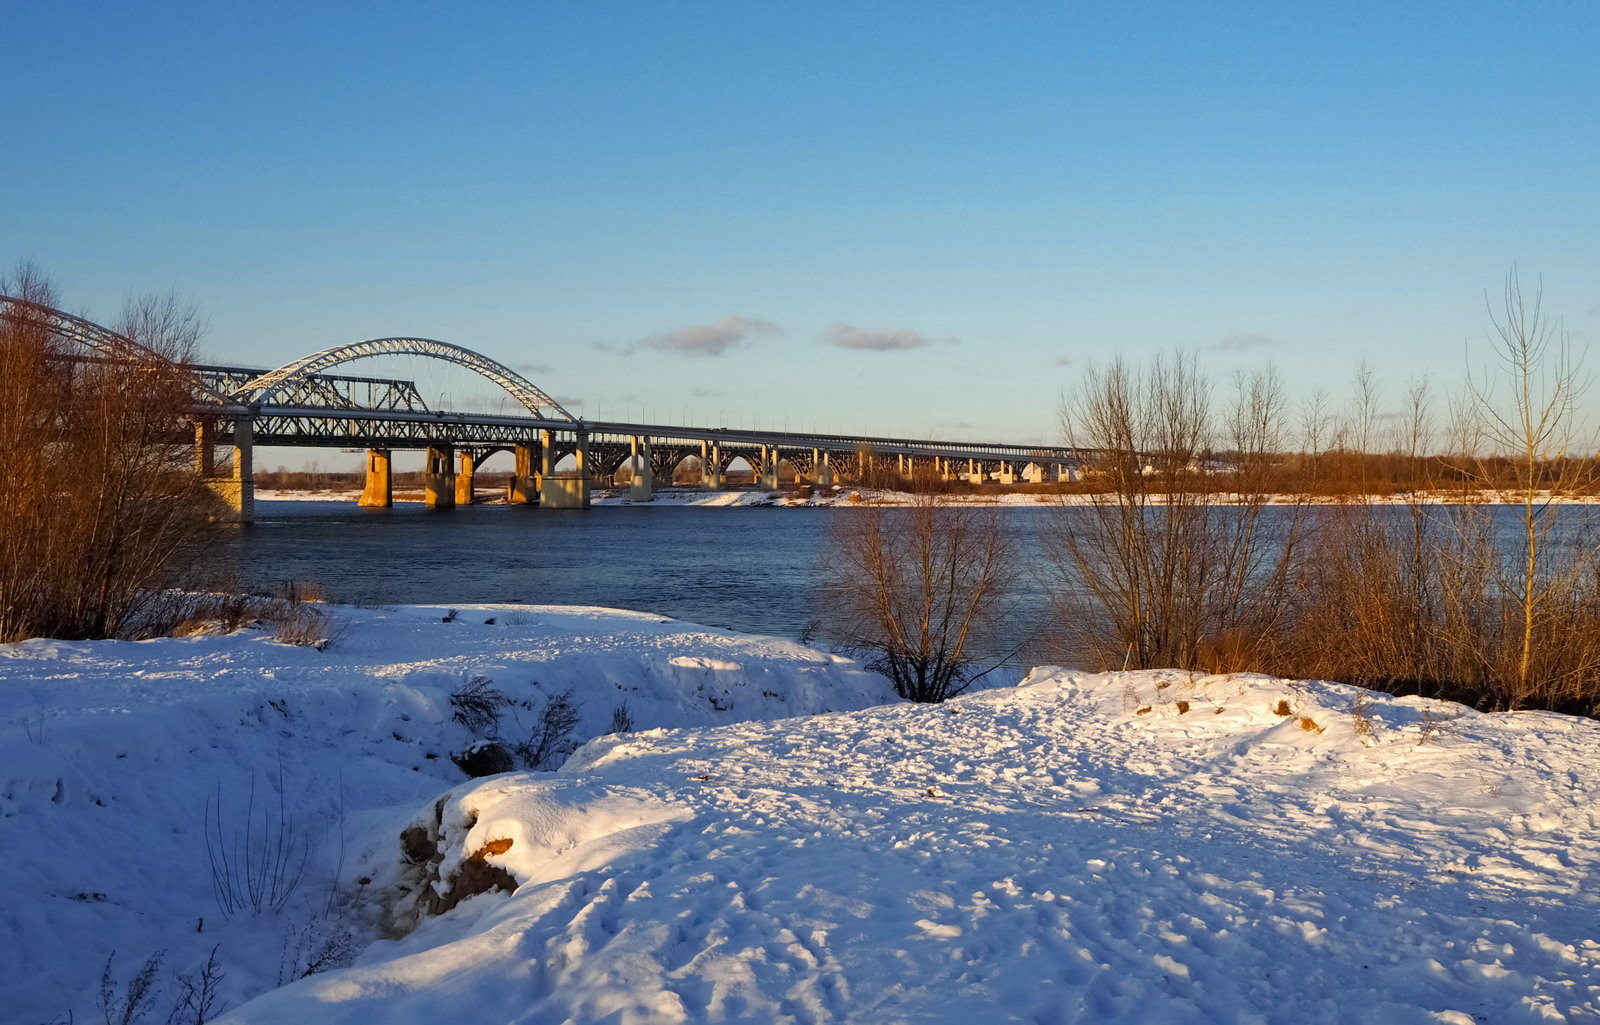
(710, 467)
(771, 457)
(641, 488)
(825, 471)
(379, 492)
(439, 478)
(1035, 474)
(205, 461)
(524, 486)
(1007, 476)
(466, 478)
(238, 490)
(568, 491)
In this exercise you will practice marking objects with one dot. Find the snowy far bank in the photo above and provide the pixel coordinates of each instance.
(794, 845)
(851, 497)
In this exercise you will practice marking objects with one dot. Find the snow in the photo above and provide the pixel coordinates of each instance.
(112, 755)
(1148, 846)
(858, 497)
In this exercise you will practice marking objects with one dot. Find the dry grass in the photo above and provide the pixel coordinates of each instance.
(304, 626)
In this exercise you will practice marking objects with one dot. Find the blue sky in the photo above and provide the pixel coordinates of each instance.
(883, 218)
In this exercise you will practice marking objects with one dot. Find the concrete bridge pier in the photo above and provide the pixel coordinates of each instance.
(205, 456)
(524, 485)
(1035, 473)
(711, 466)
(1008, 474)
(825, 470)
(771, 458)
(641, 487)
(237, 491)
(466, 477)
(439, 478)
(973, 476)
(379, 492)
(568, 491)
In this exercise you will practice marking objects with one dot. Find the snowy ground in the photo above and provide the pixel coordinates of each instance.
(112, 754)
(1141, 847)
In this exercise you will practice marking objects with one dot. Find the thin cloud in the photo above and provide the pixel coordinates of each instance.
(731, 332)
(531, 368)
(846, 337)
(1245, 342)
(707, 393)
(1063, 361)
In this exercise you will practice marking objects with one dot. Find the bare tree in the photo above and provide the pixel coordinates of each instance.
(1173, 561)
(100, 493)
(1527, 415)
(918, 590)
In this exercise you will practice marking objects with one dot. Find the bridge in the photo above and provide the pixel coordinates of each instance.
(558, 457)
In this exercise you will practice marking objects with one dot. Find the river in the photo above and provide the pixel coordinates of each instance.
(749, 569)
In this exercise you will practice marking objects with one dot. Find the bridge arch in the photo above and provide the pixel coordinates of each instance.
(100, 340)
(269, 385)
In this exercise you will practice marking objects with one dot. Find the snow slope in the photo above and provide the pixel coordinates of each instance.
(796, 847)
(115, 757)
(1142, 847)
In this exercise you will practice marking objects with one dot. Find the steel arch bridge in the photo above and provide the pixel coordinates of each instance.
(302, 404)
(291, 379)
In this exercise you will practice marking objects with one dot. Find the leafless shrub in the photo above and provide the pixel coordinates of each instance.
(917, 590)
(302, 592)
(621, 719)
(137, 997)
(323, 944)
(101, 508)
(197, 1000)
(1361, 715)
(1154, 571)
(36, 729)
(551, 737)
(304, 626)
(477, 706)
(1428, 725)
(259, 860)
(1494, 605)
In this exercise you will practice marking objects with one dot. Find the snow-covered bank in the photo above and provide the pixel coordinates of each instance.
(114, 754)
(1134, 847)
(852, 497)
(1131, 847)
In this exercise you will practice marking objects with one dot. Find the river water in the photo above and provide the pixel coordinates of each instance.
(751, 569)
